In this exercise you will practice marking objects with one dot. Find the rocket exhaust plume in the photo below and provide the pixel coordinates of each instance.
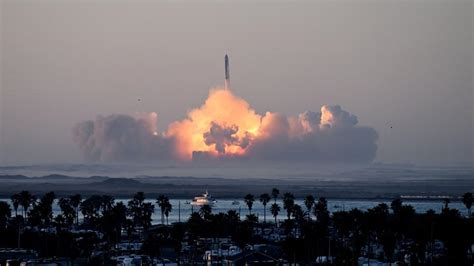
(225, 126)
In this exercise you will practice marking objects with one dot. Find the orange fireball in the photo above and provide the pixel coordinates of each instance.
(223, 125)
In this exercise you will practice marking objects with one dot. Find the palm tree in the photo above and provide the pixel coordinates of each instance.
(5, 213)
(275, 209)
(309, 202)
(288, 202)
(275, 193)
(46, 208)
(90, 208)
(148, 210)
(249, 199)
(162, 201)
(75, 203)
(205, 211)
(297, 213)
(42, 212)
(129, 227)
(264, 199)
(68, 211)
(251, 218)
(168, 209)
(135, 206)
(467, 200)
(119, 218)
(232, 216)
(139, 197)
(177, 234)
(60, 222)
(106, 203)
(396, 205)
(446, 202)
(16, 199)
(321, 210)
(26, 199)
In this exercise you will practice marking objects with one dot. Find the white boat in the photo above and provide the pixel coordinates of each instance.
(205, 199)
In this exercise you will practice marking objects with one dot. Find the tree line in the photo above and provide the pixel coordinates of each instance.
(309, 231)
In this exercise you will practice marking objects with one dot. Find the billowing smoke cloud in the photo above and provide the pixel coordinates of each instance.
(221, 136)
(221, 110)
(122, 138)
(328, 136)
(226, 127)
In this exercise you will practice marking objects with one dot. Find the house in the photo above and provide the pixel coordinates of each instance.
(128, 246)
(16, 254)
(325, 260)
(250, 257)
(363, 261)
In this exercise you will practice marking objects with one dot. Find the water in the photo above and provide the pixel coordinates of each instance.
(185, 210)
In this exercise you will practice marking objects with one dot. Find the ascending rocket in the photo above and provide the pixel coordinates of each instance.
(227, 74)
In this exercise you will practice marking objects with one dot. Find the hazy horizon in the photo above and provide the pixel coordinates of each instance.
(403, 68)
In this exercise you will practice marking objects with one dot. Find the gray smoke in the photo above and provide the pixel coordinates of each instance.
(121, 138)
(221, 136)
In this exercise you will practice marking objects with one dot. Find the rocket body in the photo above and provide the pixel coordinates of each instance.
(226, 61)
(227, 72)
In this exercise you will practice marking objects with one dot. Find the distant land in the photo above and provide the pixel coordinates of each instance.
(375, 181)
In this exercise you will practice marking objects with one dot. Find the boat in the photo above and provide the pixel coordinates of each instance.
(204, 199)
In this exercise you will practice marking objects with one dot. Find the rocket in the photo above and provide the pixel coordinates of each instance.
(227, 72)
(226, 61)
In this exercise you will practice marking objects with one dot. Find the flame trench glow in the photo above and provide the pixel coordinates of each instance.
(225, 126)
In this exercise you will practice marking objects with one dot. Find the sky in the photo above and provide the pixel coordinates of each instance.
(404, 68)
